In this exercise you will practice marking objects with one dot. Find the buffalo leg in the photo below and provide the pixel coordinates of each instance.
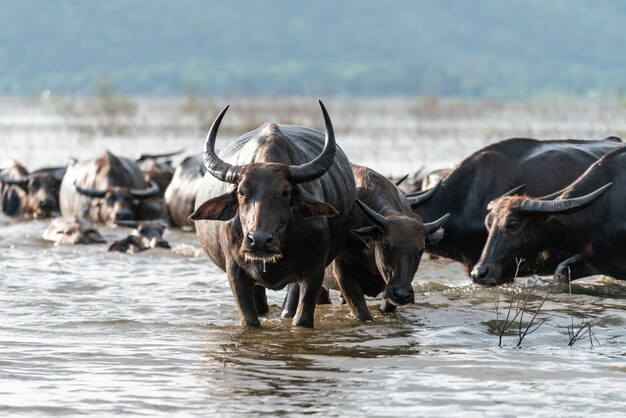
(260, 300)
(290, 304)
(309, 291)
(242, 287)
(352, 292)
(574, 268)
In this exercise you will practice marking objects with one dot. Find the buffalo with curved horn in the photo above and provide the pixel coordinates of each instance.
(576, 234)
(278, 214)
(384, 250)
(106, 189)
(30, 194)
(465, 192)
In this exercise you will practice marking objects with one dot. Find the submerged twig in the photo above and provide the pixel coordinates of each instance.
(584, 329)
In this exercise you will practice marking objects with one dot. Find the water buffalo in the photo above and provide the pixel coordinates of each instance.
(105, 189)
(180, 196)
(161, 173)
(384, 250)
(30, 194)
(145, 235)
(282, 209)
(70, 231)
(543, 166)
(578, 233)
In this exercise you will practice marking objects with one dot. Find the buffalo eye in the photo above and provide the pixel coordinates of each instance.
(285, 193)
(386, 245)
(512, 224)
(241, 194)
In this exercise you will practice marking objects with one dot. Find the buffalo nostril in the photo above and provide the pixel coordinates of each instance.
(261, 238)
(250, 238)
(401, 294)
(480, 272)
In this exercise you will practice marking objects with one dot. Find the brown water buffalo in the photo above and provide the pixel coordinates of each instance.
(106, 189)
(580, 232)
(465, 192)
(72, 230)
(180, 196)
(279, 215)
(33, 194)
(145, 235)
(384, 250)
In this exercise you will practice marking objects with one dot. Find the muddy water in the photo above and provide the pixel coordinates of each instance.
(156, 334)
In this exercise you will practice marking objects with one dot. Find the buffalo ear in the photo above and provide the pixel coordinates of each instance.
(367, 233)
(221, 208)
(306, 205)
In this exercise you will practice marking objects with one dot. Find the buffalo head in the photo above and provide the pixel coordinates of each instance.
(399, 242)
(265, 195)
(72, 230)
(118, 203)
(36, 193)
(517, 227)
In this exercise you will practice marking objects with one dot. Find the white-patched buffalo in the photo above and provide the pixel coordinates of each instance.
(580, 232)
(33, 194)
(383, 252)
(72, 230)
(106, 189)
(542, 166)
(180, 196)
(276, 214)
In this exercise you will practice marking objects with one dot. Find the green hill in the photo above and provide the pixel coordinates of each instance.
(492, 49)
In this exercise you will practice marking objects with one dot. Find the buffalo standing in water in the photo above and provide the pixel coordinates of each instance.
(279, 216)
(578, 233)
(542, 166)
(384, 250)
(30, 194)
(106, 190)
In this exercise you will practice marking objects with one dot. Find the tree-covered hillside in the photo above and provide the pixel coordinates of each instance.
(472, 48)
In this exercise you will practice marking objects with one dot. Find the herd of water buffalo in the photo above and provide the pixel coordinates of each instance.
(282, 206)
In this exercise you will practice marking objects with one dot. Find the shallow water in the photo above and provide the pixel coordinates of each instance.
(156, 334)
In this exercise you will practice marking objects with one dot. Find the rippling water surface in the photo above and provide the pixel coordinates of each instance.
(156, 334)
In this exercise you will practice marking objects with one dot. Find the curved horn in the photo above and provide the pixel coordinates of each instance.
(509, 193)
(151, 191)
(126, 223)
(143, 157)
(419, 198)
(564, 205)
(378, 219)
(14, 182)
(435, 225)
(90, 192)
(316, 168)
(399, 182)
(219, 169)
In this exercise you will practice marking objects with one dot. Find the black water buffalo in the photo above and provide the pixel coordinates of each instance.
(145, 235)
(384, 250)
(180, 196)
(542, 166)
(283, 210)
(72, 230)
(30, 194)
(105, 189)
(581, 232)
